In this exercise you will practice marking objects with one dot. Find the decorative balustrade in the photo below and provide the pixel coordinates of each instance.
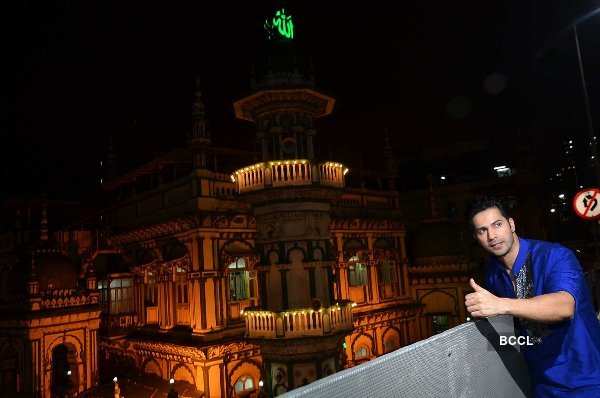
(283, 173)
(60, 298)
(299, 322)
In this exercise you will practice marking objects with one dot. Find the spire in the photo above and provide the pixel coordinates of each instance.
(200, 134)
(390, 163)
(44, 222)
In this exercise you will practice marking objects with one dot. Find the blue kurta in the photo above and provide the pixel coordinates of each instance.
(565, 359)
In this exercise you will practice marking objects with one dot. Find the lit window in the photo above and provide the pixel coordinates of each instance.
(361, 352)
(239, 280)
(244, 385)
(121, 296)
(357, 272)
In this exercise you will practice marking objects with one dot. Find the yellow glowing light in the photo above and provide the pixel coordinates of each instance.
(232, 178)
(346, 171)
(353, 304)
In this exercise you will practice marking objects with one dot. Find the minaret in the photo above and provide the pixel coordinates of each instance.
(300, 326)
(199, 139)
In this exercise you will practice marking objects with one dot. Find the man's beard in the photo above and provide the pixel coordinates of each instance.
(505, 252)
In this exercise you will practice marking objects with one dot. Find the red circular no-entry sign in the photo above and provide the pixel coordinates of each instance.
(586, 203)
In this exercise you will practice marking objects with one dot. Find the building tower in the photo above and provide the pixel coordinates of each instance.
(298, 326)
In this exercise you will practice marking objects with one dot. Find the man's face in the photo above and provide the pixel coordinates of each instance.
(494, 232)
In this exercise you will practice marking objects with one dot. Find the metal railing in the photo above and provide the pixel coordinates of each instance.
(466, 361)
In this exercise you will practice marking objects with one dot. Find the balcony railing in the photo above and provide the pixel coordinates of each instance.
(282, 173)
(466, 361)
(59, 298)
(299, 322)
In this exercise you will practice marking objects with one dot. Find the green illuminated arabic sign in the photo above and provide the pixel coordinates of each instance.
(281, 25)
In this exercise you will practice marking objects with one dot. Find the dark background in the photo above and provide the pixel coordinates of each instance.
(432, 72)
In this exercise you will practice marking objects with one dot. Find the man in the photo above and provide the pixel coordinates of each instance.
(542, 285)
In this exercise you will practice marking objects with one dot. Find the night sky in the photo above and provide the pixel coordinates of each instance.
(431, 72)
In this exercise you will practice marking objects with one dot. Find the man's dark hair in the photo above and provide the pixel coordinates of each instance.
(482, 203)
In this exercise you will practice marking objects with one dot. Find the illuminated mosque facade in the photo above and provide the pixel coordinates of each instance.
(233, 281)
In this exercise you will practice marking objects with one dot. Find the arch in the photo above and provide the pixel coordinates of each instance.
(391, 339)
(234, 249)
(237, 247)
(67, 339)
(182, 372)
(246, 367)
(440, 306)
(366, 340)
(248, 361)
(152, 368)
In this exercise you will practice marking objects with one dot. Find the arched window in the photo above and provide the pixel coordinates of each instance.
(361, 352)
(239, 280)
(244, 386)
(357, 272)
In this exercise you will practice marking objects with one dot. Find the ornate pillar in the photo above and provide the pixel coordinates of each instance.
(192, 248)
(373, 277)
(195, 307)
(166, 303)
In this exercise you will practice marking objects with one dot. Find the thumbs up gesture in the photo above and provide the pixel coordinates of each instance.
(483, 304)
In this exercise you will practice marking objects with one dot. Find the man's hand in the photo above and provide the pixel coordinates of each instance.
(483, 303)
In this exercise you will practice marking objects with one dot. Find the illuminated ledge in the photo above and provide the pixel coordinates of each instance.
(298, 323)
(286, 173)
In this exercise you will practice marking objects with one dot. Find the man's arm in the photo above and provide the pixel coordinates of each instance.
(551, 307)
